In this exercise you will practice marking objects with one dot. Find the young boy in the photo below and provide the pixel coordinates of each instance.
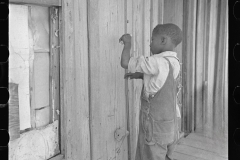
(158, 131)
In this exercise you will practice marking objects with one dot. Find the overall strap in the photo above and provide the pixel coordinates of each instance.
(175, 112)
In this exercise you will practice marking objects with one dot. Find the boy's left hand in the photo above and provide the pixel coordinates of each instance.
(136, 75)
(126, 38)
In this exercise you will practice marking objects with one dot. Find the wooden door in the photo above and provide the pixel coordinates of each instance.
(107, 91)
(114, 102)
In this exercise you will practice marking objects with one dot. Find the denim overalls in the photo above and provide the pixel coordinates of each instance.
(158, 122)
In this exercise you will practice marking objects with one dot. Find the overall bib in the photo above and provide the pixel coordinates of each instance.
(158, 122)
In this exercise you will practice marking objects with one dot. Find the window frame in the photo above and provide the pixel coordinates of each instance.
(52, 4)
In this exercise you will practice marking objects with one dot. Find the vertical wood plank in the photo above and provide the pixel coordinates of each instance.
(93, 16)
(211, 65)
(130, 85)
(81, 70)
(226, 78)
(205, 59)
(63, 116)
(108, 100)
(161, 11)
(218, 102)
(75, 95)
(147, 27)
(154, 14)
(54, 64)
(189, 25)
(137, 84)
(199, 65)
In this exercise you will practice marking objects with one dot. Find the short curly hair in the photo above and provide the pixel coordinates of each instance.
(171, 30)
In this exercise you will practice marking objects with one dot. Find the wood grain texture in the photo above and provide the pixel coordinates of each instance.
(147, 27)
(135, 90)
(130, 127)
(226, 49)
(189, 28)
(14, 124)
(160, 11)
(74, 81)
(219, 73)
(211, 66)
(205, 60)
(199, 75)
(54, 64)
(154, 14)
(108, 100)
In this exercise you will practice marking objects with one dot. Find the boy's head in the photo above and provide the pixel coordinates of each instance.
(165, 37)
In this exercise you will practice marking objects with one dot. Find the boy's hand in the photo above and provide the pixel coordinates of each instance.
(136, 75)
(126, 38)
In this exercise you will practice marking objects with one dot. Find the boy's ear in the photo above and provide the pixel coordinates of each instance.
(163, 40)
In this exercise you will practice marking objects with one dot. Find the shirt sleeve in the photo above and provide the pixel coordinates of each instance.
(146, 65)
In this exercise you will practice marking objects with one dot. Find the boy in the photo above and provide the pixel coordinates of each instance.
(158, 132)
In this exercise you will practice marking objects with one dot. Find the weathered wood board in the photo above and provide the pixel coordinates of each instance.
(107, 99)
(199, 64)
(188, 74)
(74, 113)
(205, 68)
(135, 86)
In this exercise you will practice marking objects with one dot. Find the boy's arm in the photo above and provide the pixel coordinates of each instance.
(125, 55)
(126, 39)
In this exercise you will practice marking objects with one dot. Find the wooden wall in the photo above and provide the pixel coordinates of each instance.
(97, 100)
(205, 73)
(143, 17)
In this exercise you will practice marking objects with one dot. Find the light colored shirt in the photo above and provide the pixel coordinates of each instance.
(155, 69)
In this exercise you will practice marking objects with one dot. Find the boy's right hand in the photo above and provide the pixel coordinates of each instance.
(136, 75)
(126, 38)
